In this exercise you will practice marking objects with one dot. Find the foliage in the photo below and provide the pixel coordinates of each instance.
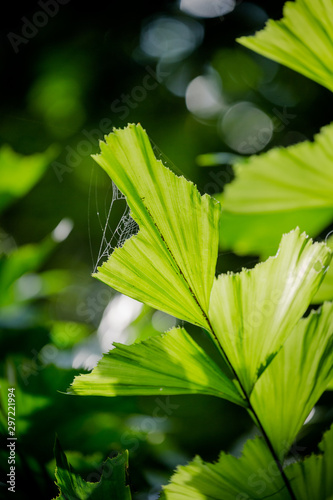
(253, 317)
(290, 186)
(301, 40)
(286, 186)
(277, 190)
(253, 475)
(111, 484)
(170, 264)
(170, 364)
(250, 337)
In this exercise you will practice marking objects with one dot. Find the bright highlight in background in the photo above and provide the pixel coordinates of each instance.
(62, 230)
(203, 97)
(207, 8)
(246, 129)
(171, 39)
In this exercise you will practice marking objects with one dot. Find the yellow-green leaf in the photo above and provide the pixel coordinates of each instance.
(254, 475)
(312, 479)
(276, 191)
(170, 263)
(288, 389)
(253, 312)
(169, 364)
(301, 40)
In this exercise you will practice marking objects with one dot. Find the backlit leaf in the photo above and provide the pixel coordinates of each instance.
(254, 475)
(276, 191)
(171, 363)
(301, 40)
(312, 479)
(170, 263)
(288, 389)
(253, 312)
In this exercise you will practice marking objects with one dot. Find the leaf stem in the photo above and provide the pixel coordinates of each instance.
(252, 410)
(269, 444)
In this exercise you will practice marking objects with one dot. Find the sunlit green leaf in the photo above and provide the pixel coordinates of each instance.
(301, 40)
(277, 190)
(112, 483)
(171, 363)
(296, 378)
(254, 475)
(170, 263)
(18, 174)
(284, 179)
(253, 312)
(312, 479)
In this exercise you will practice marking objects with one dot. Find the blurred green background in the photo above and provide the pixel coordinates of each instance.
(69, 74)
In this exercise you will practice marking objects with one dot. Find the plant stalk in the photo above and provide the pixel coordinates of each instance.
(252, 410)
(269, 444)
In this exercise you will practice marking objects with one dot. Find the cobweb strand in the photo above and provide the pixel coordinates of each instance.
(126, 227)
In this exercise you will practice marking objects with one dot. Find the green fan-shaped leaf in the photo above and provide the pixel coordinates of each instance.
(253, 312)
(254, 475)
(312, 479)
(301, 40)
(277, 190)
(170, 263)
(296, 378)
(171, 363)
(285, 179)
(18, 173)
(112, 483)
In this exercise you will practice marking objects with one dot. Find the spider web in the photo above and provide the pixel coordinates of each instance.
(126, 227)
(115, 237)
